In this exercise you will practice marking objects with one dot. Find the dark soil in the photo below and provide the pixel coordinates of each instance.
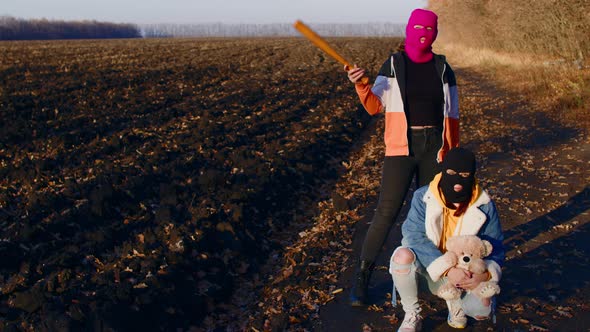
(140, 179)
(180, 185)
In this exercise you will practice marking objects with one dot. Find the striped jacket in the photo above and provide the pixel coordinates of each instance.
(388, 94)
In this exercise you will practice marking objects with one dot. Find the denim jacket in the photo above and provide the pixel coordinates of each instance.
(422, 231)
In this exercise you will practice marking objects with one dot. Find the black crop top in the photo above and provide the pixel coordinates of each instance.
(424, 94)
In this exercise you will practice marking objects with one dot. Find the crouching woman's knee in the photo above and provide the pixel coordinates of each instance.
(476, 308)
(402, 261)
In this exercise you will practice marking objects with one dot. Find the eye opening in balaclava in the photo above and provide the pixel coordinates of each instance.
(461, 162)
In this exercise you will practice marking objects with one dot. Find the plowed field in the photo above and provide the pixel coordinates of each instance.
(140, 178)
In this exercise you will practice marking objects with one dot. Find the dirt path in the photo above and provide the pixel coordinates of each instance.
(538, 172)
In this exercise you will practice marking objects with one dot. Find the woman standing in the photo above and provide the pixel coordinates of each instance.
(417, 91)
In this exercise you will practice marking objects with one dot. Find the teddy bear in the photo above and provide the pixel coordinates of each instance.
(466, 252)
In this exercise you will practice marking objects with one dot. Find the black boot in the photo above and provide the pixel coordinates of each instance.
(359, 294)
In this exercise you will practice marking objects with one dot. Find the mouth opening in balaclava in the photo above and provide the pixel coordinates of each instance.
(460, 161)
(419, 41)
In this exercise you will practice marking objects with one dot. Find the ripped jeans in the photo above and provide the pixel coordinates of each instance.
(409, 279)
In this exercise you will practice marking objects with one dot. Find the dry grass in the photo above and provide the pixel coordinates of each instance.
(547, 28)
(560, 87)
(539, 49)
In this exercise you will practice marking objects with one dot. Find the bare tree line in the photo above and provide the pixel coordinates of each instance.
(41, 29)
(12, 28)
(269, 30)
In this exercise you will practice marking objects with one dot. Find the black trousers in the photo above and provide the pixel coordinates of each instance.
(397, 175)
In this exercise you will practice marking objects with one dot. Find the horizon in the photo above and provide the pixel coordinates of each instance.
(197, 23)
(198, 12)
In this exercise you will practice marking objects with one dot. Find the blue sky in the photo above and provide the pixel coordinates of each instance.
(205, 11)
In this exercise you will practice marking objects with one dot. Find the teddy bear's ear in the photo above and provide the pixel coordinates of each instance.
(487, 248)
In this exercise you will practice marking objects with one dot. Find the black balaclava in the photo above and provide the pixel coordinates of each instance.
(459, 160)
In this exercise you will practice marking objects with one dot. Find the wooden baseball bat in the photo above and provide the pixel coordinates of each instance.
(323, 45)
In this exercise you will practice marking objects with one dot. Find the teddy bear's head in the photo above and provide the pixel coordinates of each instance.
(468, 248)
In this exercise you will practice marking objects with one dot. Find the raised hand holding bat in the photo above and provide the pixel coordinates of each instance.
(356, 75)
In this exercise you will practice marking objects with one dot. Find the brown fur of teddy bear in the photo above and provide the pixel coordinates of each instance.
(467, 252)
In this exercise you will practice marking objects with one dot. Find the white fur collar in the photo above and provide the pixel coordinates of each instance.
(473, 218)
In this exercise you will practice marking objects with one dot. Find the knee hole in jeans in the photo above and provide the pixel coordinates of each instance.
(402, 260)
(402, 272)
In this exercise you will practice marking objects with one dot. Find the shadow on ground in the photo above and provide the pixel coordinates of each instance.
(546, 273)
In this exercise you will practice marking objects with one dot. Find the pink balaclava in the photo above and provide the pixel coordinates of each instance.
(419, 50)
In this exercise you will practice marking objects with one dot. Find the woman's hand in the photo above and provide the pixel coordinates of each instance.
(456, 276)
(476, 279)
(355, 74)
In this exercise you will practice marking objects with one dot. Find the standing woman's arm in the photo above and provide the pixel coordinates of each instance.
(371, 102)
(451, 112)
